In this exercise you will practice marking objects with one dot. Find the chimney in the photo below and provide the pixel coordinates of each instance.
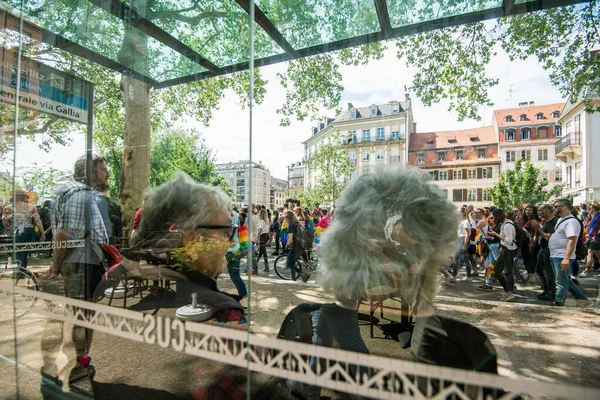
(350, 106)
(414, 127)
(531, 103)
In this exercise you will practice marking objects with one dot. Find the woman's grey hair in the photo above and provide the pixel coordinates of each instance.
(181, 202)
(392, 228)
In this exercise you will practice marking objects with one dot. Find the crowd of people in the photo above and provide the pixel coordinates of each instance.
(548, 239)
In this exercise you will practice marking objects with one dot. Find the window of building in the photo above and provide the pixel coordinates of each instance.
(577, 123)
(508, 118)
(380, 133)
(373, 112)
(486, 173)
(544, 174)
(526, 155)
(558, 175)
(539, 116)
(457, 174)
(578, 173)
(474, 138)
(481, 153)
(441, 156)
(421, 158)
(395, 159)
(557, 131)
(569, 177)
(472, 174)
(522, 117)
(366, 134)
(352, 175)
(509, 135)
(460, 154)
(429, 142)
(510, 156)
(457, 195)
(452, 140)
(380, 154)
(526, 134)
(542, 132)
(352, 114)
(366, 169)
(555, 114)
(395, 108)
(395, 135)
(542, 154)
(366, 155)
(443, 175)
(471, 194)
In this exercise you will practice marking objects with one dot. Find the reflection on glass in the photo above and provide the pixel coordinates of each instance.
(314, 22)
(407, 12)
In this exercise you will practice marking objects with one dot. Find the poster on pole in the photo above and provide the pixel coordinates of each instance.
(44, 89)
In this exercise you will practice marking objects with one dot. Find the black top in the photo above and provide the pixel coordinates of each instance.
(547, 227)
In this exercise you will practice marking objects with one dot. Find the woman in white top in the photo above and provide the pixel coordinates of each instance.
(263, 234)
(503, 269)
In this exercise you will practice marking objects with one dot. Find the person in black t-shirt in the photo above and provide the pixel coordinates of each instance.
(293, 244)
(543, 266)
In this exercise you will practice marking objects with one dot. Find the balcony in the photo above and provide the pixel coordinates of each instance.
(568, 145)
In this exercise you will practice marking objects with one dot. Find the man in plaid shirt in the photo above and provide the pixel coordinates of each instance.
(76, 216)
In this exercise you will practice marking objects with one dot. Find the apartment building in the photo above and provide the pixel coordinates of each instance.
(529, 132)
(579, 149)
(463, 163)
(374, 136)
(237, 175)
(278, 188)
(296, 177)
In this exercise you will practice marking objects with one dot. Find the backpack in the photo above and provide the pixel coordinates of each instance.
(581, 250)
(521, 235)
(305, 238)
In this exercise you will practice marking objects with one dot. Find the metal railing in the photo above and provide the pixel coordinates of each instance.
(569, 140)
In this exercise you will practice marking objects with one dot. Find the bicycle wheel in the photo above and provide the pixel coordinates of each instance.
(283, 271)
(21, 278)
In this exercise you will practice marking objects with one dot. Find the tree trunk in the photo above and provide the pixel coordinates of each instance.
(135, 171)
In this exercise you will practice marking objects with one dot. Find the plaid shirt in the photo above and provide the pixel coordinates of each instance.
(68, 212)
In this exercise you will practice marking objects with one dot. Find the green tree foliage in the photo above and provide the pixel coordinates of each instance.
(331, 166)
(521, 185)
(44, 179)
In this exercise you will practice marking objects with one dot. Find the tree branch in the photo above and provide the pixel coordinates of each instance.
(195, 20)
(45, 127)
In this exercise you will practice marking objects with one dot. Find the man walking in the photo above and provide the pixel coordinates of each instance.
(562, 251)
(543, 265)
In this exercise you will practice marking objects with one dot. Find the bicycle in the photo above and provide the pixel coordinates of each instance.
(19, 277)
(285, 273)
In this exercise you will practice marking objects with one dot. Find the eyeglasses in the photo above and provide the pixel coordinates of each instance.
(230, 229)
(560, 205)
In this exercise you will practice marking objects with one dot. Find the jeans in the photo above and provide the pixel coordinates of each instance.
(574, 268)
(277, 239)
(28, 235)
(504, 268)
(545, 271)
(233, 267)
(491, 259)
(462, 257)
(564, 283)
(290, 261)
(334, 322)
(527, 257)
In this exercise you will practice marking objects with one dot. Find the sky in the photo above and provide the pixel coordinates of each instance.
(378, 82)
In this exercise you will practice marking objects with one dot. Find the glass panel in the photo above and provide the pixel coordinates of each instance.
(407, 12)
(95, 29)
(213, 28)
(314, 22)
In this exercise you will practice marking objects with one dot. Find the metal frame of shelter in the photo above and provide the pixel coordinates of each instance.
(123, 11)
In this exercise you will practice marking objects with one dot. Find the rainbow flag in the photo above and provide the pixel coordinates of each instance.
(283, 233)
(243, 238)
(479, 238)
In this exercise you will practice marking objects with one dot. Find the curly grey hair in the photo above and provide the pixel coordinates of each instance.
(391, 229)
(182, 202)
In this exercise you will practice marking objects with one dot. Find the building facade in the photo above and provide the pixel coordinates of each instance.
(236, 174)
(463, 163)
(529, 132)
(278, 188)
(579, 150)
(296, 177)
(374, 136)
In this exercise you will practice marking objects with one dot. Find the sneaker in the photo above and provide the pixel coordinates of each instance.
(545, 298)
(254, 273)
(540, 295)
(467, 279)
(452, 279)
(557, 304)
(508, 296)
(484, 287)
(583, 303)
(585, 274)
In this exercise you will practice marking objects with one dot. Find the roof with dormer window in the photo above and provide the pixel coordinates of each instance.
(529, 112)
